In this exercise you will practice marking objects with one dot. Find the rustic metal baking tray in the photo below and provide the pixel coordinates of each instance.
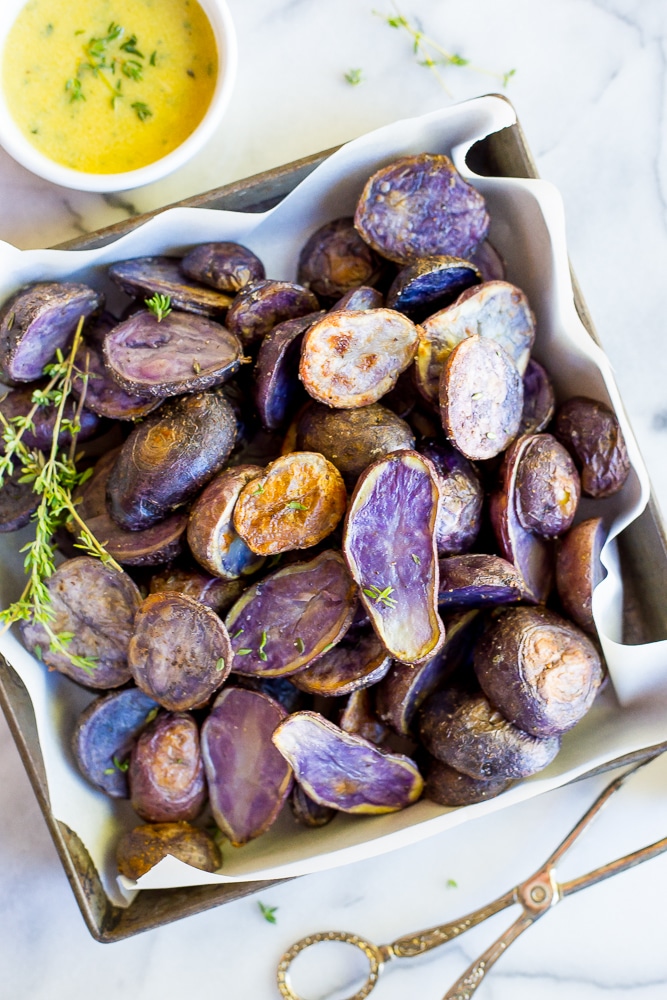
(643, 552)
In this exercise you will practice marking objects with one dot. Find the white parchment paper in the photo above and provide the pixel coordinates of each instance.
(528, 229)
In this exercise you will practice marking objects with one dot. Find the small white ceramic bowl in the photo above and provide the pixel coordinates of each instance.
(18, 146)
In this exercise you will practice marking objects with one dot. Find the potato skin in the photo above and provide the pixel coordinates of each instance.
(227, 266)
(579, 570)
(591, 433)
(547, 487)
(335, 259)
(142, 848)
(449, 787)
(166, 772)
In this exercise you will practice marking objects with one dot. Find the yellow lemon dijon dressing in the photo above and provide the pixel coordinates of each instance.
(109, 85)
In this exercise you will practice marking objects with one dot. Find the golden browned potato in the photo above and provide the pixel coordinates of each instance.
(140, 849)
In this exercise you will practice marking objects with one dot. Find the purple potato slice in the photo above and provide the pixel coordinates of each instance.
(142, 848)
(166, 772)
(19, 402)
(169, 457)
(343, 771)
(531, 554)
(461, 498)
(213, 540)
(18, 502)
(430, 284)
(281, 624)
(359, 298)
(475, 580)
(539, 399)
(277, 389)
(400, 694)
(547, 487)
(144, 277)
(467, 732)
(307, 811)
(216, 594)
(179, 653)
(389, 545)
(357, 661)
(579, 570)
(39, 319)
(481, 398)
(335, 259)
(352, 358)
(97, 604)
(489, 262)
(104, 734)
(540, 670)
(248, 779)
(226, 266)
(352, 439)
(420, 206)
(449, 787)
(261, 305)
(592, 434)
(359, 717)
(495, 310)
(104, 396)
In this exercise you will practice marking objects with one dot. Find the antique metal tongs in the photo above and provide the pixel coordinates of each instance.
(536, 895)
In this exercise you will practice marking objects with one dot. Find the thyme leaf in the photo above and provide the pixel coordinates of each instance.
(159, 305)
(268, 912)
(381, 596)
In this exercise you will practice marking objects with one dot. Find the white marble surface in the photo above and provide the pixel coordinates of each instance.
(590, 91)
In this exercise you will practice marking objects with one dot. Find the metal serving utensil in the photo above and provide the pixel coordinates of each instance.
(535, 895)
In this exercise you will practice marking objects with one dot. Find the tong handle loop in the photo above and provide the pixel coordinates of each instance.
(375, 956)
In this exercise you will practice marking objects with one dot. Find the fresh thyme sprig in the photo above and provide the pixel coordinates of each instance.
(431, 54)
(381, 596)
(159, 305)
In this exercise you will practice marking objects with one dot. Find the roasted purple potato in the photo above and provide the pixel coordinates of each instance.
(36, 321)
(144, 277)
(489, 262)
(40, 435)
(343, 771)
(248, 779)
(357, 661)
(547, 487)
(292, 616)
(261, 305)
(539, 399)
(96, 604)
(476, 580)
(430, 284)
(591, 433)
(142, 848)
(212, 538)
(166, 772)
(180, 652)
(467, 732)
(226, 266)
(420, 206)
(169, 457)
(538, 669)
(217, 594)
(449, 787)
(277, 389)
(335, 260)
(461, 497)
(579, 570)
(363, 297)
(307, 811)
(352, 439)
(359, 718)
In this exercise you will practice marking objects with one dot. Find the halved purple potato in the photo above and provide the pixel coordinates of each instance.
(489, 262)
(261, 305)
(307, 811)
(352, 439)
(579, 570)
(429, 284)
(179, 653)
(212, 538)
(335, 260)
(420, 206)
(540, 670)
(547, 487)
(467, 732)
(226, 266)
(292, 616)
(277, 389)
(343, 771)
(352, 358)
(166, 772)
(169, 457)
(143, 277)
(399, 695)
(182, 352)
(531, 554)
(359, 298)
(97, 604)
(219, 595)
(248, 779)
(142, 848)
(18, 502)
(295, 503)
(475, 580)
(592, 435)
(357, 661)
(539, 399)
(389, 545)
(104, 396)
(449, 787)
(359, 718)
(481, 398)
(461, 498)
(104, 734)
(18, 403)
(36, 321)
(495, 310)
